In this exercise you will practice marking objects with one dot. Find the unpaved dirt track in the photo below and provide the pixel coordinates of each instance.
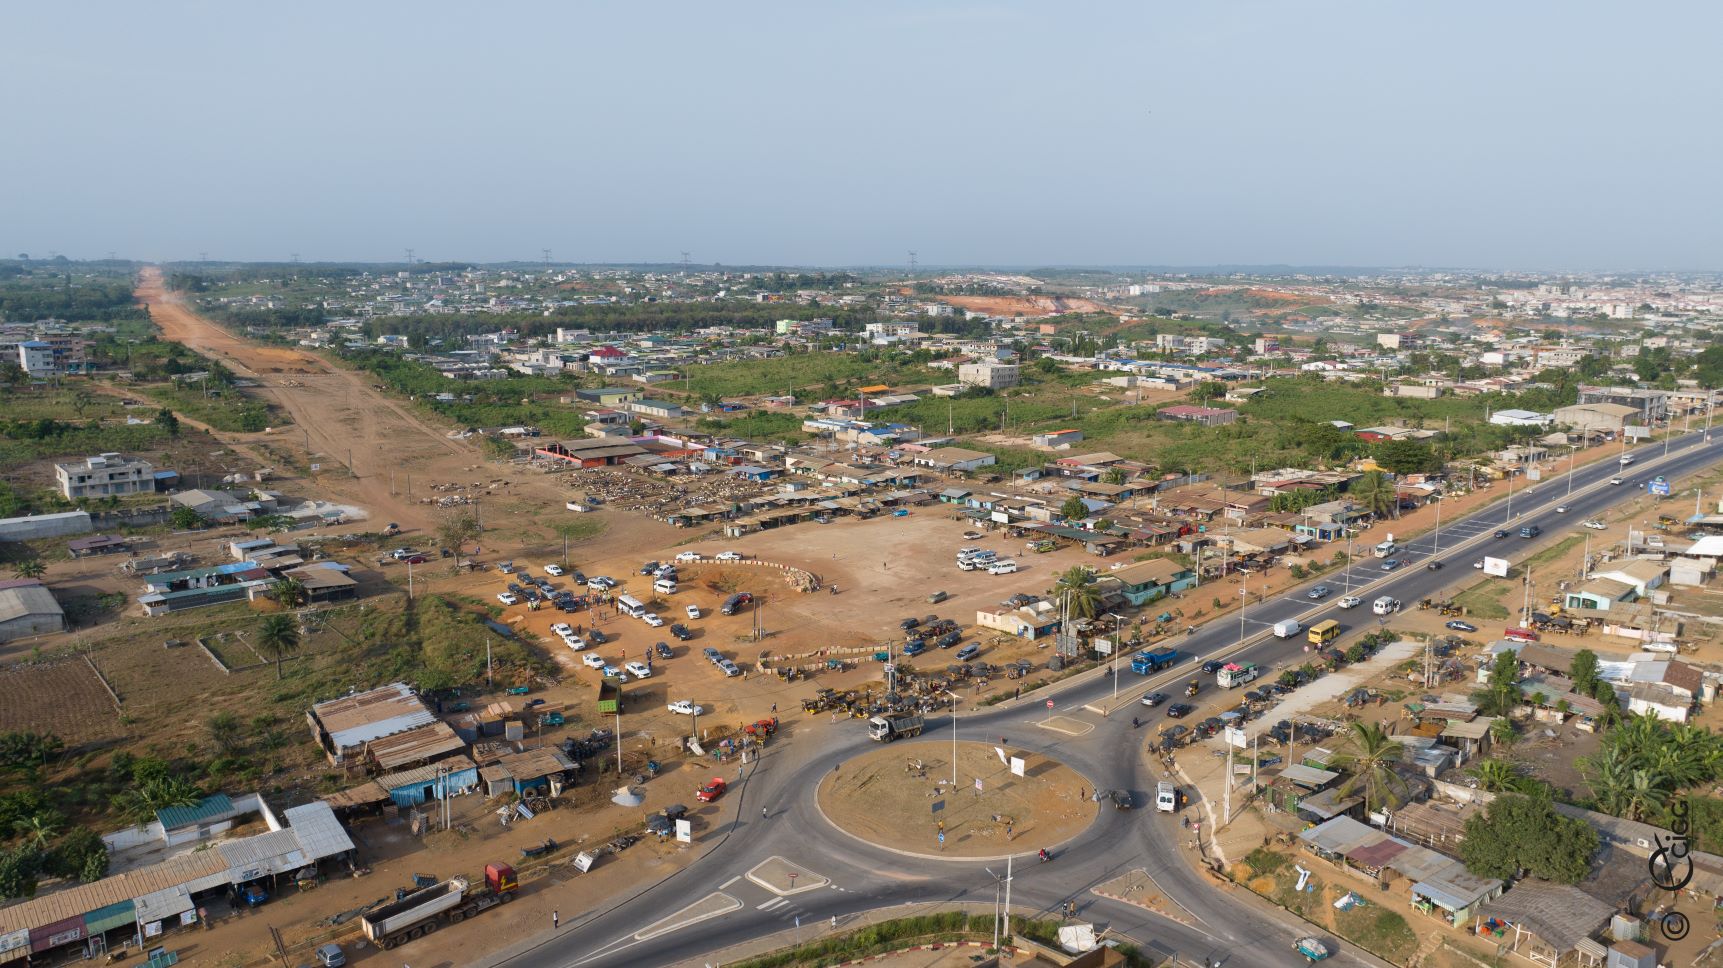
(335, 411)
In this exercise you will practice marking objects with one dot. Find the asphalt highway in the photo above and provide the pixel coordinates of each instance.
(661, 924)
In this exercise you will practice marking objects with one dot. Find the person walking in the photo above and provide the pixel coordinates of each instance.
(555, 920)
(763, 813)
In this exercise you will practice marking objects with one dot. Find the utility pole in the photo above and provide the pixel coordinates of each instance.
(953, 741)
(488, 681)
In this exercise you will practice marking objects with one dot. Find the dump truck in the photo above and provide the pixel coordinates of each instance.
(424, 911)
(892, 726)
(609, 697)
(1153, 660)
(1235, 674)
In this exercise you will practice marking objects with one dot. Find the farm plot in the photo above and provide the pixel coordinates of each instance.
(63, 698)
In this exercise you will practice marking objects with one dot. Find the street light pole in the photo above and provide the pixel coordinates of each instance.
(1571, 451)
(953, 743)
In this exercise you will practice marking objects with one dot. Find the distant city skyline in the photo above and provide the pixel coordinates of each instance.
(1344, 134)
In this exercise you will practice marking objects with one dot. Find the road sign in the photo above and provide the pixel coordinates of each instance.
(1049, 704)
(1236, 737)
(1497, 567)
(316, 467)
(942, 838)
(978, 784)
(1102, 646)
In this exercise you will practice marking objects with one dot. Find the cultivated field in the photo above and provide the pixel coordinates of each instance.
(63, 698)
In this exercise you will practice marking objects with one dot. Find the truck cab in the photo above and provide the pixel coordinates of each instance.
(1153, 660)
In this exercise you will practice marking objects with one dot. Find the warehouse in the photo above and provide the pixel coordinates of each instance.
(28, 608)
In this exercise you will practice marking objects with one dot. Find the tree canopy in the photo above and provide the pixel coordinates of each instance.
(1520, 833)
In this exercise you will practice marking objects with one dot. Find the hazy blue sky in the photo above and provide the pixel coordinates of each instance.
(1526, 134)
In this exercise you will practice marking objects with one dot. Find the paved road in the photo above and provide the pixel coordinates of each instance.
(658, 926)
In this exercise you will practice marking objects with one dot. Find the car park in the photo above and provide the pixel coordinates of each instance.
(729, 556)
(713, 789)
(680, 632)
(1154, 699)
(1318, 593)
(508, 598)
(553, 570)
(686, 708)
(692, 611)
(652, 619)
(1351, 601)
(592, 660)
(639, 670)
(1460, 626)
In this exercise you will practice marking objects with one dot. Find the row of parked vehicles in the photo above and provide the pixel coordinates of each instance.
(980, 559)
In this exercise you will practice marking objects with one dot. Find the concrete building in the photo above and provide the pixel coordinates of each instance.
(1521, 418)
(1609, 417)
(344, 726)
(1206, 416)
(1652, 405)
(36, 357)
(105, 475)
(28, 608)
(662, 409)
(993, 376)
(33, 526)
(954, 459)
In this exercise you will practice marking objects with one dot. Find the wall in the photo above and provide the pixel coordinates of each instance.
(45, 526)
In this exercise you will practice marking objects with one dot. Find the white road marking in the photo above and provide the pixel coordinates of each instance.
(769, 905)
(716, 904)
(729, 882)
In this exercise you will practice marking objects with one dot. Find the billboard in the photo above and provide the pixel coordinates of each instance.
(1658, 486)
(1496, 566)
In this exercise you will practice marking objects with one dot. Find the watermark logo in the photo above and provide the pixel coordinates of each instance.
(1672, 868)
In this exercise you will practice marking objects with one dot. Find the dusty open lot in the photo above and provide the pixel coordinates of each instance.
(63, 698)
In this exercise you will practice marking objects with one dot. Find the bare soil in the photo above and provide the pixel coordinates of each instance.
(888, 797)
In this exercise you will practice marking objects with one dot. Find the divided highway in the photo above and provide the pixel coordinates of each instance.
(714, 904)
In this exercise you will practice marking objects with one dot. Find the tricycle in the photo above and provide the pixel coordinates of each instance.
(540, 850)
(1312, 949)
(519, 690)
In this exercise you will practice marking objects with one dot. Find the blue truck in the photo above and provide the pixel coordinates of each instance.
(1153, 660)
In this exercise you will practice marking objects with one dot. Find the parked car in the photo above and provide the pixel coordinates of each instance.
(730, 668)
(688, 556)
(508, 598)
(649, 568)
(639, 670)
(1351, 601)
(592, 660)
(329, 956)
(711, 654)
(680, 632)
(652, 619)
(914, 647)
(1595, 525)
(612, 672)
(597, 637)
(574, 642)
(562, 628)
(1318, 593)
(601, 582)
(728, 556)
(555, 571)
(713, 789)
(968, 652)
(692, 611)
(1460, 626)
(909, 623)
(685, 708)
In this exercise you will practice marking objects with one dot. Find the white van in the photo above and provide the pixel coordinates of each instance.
(1287, 628)
(664, 586)
(1166, 797)
(1385, 549)
(1005, 567)
(630, 606)
(1386, 605)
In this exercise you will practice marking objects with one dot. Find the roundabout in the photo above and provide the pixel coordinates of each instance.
(901, 797)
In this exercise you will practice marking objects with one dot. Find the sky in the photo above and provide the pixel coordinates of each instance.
(1530, 135)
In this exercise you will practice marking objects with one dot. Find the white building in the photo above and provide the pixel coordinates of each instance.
(1521, 418)
(993, 376)
(37, 358)
(105, 475)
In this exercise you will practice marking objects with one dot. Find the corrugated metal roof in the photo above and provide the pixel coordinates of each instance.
(427, 742)
(320, 834)
(1308, 775)
(277, 850)
(421, 775)
(214, 807)
(535, 763)
(75, 902)
(1340, 835)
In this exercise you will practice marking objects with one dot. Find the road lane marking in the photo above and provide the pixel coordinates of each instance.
(1067, 725)
(783, 878)
(714, 905)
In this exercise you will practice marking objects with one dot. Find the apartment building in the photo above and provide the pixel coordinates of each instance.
(105, 475)
(993, 376)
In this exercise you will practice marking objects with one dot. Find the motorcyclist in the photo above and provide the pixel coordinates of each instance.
(1044, 855)
(1135, 722)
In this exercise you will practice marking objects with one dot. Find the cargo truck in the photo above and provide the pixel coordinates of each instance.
(424, 911)
(1235, 674)
(892, 726)
(1153, 660)
(609, 697)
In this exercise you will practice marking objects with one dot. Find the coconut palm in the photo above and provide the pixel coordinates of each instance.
(1077, 587)
(290, 592)
(1495, 776)
(278, 634)
(1375, 493)
(1371, 763)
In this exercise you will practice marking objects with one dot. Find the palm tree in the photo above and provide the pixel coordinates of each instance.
(1503, 732)
(1372, 766)
(29, 568)
(38, 829)
(1609, 775)
(278, 634)
(1077, 586)
(290, 592)
(1495, 776)
(1648, 788)
(1375, 493)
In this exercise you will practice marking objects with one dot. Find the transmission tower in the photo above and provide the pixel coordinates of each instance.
(203, 257)
(912, 264)
(409, 256)
(684, 263)
(546, 259)
(295, 258)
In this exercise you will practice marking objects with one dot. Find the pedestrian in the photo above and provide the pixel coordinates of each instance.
(1008, 829)
(738, 771)
(834, 716)
(774, 709)
(555, 920)
(835, 767)
(1080, 793)
(762, 813)
(834, 922)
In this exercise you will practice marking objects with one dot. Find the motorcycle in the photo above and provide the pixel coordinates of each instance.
(1044, 855)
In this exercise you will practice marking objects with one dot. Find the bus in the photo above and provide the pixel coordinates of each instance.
(1323, 633)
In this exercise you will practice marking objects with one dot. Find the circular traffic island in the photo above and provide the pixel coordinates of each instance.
(901, 797)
